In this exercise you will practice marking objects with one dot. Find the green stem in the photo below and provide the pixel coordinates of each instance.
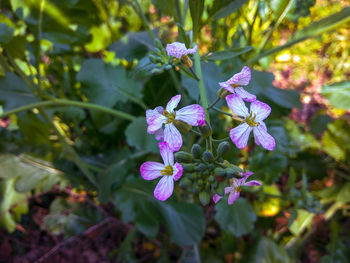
(144, 19)
(38, 58)
(223, 112)
(203, 94)
(213, 104)
(176, 81)
(63, 102)
(221, 140)
(195, 132)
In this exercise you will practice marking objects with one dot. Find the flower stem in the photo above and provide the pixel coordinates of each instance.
(64, 102)
(223, 112)
(214, 103)
(203, 94)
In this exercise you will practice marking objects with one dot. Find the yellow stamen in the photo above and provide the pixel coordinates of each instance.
(168, 170)
(250, 120)
(170, 116)
(234, 85)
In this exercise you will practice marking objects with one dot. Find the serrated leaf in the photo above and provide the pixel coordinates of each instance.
(238, 218)
(338, 94)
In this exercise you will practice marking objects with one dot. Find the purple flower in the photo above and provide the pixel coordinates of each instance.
(169, 172)
(235, 189)
(192, 115)
(159, 134)
(178, 49)
(252, 121)
(234, 84)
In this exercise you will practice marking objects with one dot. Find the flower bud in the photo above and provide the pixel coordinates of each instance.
(185, 182)
(158, 43)
(222, 93)
(153, 58)
(196, 151)
(231, 173)
(168, 67)
(204, 198)
(211, 179)
(186, 61)
(205, 130)
(210, 167)
(214, 185)
(200, 167)
(221, 189)
(183, 127)
(188, 167)
(205, 173)
(183, 157)
(219, 172)
(223, 148)
(208, 157)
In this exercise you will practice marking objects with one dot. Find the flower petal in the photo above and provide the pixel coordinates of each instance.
(261, 109)
(176, 49)
(252, 183)
(264, 138)
(151, 113)
(245, 94)
(178, 169)
(233, 197)
(166, 153)
(173, 102)
(191, 114)
(241, 78)
(151, 170)
(164, 188)
(216, 198)
(236, 104)
(227, 190)
(173, 137)
(247, 174)
(240, 135)
(227, 87)
(155, 123)
(191, 50)
(159, 134)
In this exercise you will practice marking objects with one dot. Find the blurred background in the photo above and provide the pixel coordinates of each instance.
(76, 77)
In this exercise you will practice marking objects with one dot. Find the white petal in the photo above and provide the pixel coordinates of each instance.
(155, 123)
(150, 113)
(164, 188)
(173, 102)
(245, 95)
(151, 170)
(191, 114)
(159, 134)
(240, 135)
(166, 153)
(173, 137)
(261, 109)
(264, 138)
(241, 78)
(236, 104)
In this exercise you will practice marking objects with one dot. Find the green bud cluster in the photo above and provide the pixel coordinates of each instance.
(204, 173)
(160, 58)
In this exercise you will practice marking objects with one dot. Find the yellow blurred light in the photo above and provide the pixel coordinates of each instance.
(285, 57)
(306, 99)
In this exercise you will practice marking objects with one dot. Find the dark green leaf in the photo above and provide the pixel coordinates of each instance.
(196, 10)
(223, 8)
(6, 33)
(238, 218)
(166, 7)
(228, 53)
(338, 94)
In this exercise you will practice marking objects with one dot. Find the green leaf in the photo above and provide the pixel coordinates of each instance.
(338, 94)
(6, 33)
(184, 222)
(182, 35)
(166, 7)
(223, 8)
(137, 136)
(106, 85)
(238, 218)
(228, 53)
(303, 220)
(14, 92)
(196, 10)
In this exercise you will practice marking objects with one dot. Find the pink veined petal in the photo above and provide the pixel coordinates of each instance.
(178, 169)
(173, 137)
(236, 104)
(151, 113)
(233, 197)
(252, 183)
(166, 153)
(155, 123)
(241, 78)
(191, 50)
(164, 188)
(264, 138)
(159, 134)
(263, 126)
(151, 170)
(173, 102)
(176, 49)
(247, 174)
(216, 198)
(240, 135)
(261, 109)
(245, 95)
(227, 190)
(191, 114)
(227, 87)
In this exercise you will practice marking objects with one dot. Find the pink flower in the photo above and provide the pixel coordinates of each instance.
(169, 172)
(235, 189)
(252, 121)
(192, 115)
(178, 49)
(159, 134)
(234, 84)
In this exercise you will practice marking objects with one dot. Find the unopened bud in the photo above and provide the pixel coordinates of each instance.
(205, 129)
(158, 43)
(214, 185)
(186, 61)
(222, 93)
(208, 157)
(220, 190)
(200, 167)
(153, 58)
(168, 67)
(196, 151)
(223, 148)
(219, 172)
(231, 173)
(183, 157)
(210, 167)
(205, 173)
(211, 179)
(188, 167)
(204, 198)
(185, 182)
(183, 127)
